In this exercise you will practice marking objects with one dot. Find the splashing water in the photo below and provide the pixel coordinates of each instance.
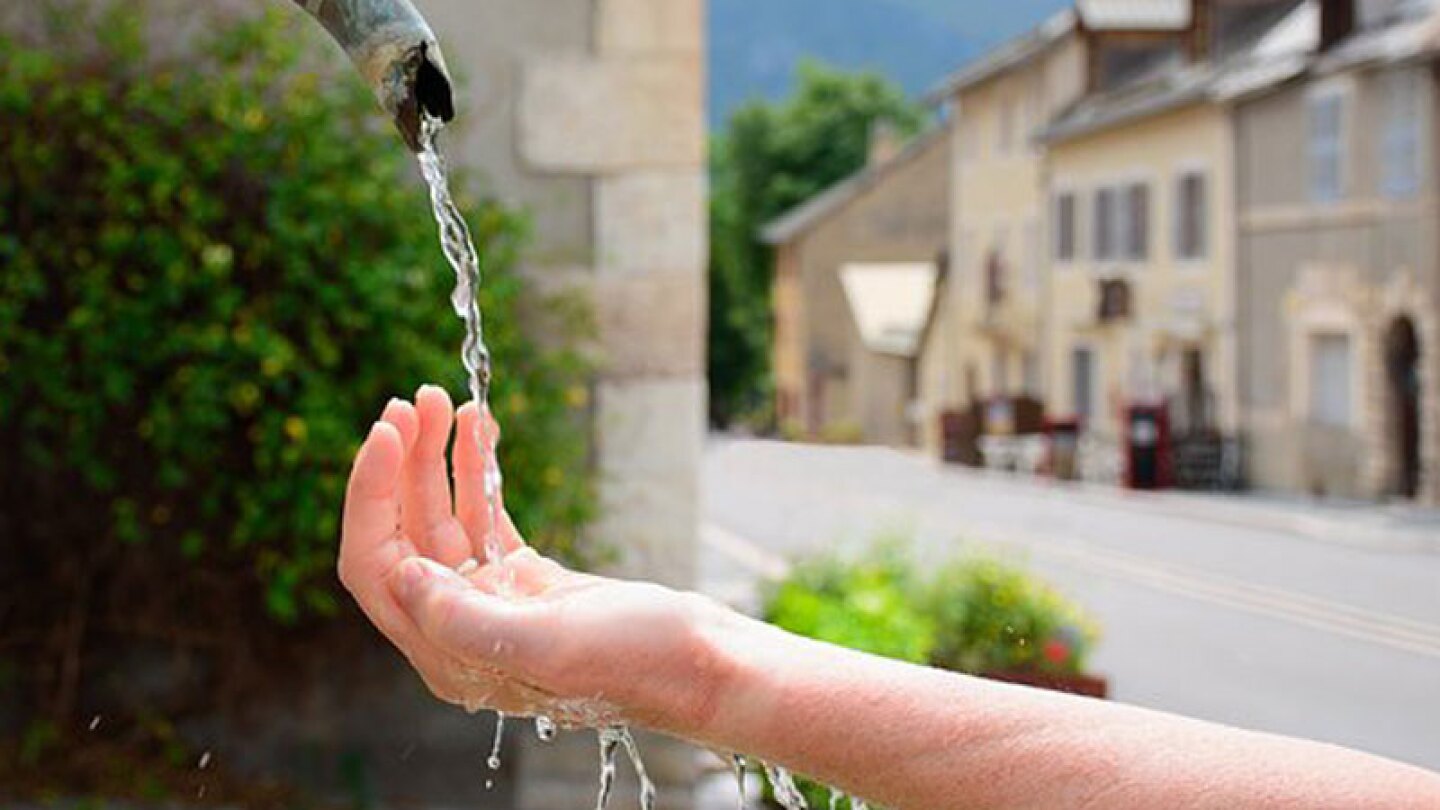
(609, 747)
(544, 728)
(612, 739)
(835, 797)
(494, 760)
(459, 250)
(737, 764)
(786, 793)
(647, 788)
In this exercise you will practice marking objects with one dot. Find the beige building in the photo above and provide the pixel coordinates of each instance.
(856, 271)
(1339, 263)
(985, 341)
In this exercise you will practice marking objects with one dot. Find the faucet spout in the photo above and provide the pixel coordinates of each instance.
(394, 49)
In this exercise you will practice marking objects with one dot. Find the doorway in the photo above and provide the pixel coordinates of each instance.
(1402, 367)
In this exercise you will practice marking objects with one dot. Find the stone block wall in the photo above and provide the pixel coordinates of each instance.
(595, 108)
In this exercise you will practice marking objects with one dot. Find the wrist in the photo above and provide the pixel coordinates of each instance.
(735, 692)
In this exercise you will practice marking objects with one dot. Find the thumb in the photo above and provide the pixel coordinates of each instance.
(461, 620)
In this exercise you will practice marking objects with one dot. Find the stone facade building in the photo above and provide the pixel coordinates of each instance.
(855, 277)
(1339, 263)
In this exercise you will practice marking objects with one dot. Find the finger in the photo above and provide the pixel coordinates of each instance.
(459, 620)
(475, 442)
(402, 415)
(371, 516)
(370, 542)
(428, 517)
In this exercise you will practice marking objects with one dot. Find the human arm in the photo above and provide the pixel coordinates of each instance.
(527, 636)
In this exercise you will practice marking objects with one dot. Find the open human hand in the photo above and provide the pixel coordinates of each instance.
(521, 634)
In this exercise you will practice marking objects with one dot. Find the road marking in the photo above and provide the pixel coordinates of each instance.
(749, 555)
(1385, 629)
(1338, 618)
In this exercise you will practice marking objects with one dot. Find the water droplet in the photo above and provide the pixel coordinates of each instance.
(544, 728)
(95, 722)
(489, 784)
(647, 788)
(204, 761)
(200, 793)
(609, 747)
(786, 793)
(737, 762)
(406, 752)
(494, 760)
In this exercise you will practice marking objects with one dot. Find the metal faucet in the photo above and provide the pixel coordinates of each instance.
(396, 52)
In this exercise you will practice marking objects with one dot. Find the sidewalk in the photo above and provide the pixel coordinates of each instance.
(1380, 527)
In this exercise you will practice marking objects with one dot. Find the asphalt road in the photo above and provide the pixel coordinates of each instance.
(1303, 621)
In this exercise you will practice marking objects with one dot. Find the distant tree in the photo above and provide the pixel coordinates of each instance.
(770, 158)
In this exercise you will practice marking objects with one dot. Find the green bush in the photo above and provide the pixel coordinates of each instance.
(991, 616)
(215, 266)
(864, 605)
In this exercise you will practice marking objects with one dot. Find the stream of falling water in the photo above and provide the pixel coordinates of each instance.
(459, 249)
(612, 739)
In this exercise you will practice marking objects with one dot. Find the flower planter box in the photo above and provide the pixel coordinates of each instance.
(1084, 685)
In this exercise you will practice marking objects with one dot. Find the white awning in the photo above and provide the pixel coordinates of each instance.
(890, 303)
(1135, 15)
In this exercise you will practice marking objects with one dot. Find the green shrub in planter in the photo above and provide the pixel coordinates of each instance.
(991, 616)
(864, 605)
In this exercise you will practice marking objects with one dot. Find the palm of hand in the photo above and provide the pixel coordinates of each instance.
(520, 634)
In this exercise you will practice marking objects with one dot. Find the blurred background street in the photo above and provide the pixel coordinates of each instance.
(1243, 612)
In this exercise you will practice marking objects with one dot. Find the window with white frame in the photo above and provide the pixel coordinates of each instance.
(1191, 224)
(1122, 222)
(1066, 226)
(1400, 144)
(1326, 146)
(1105, 222)
(1137, 222)
(1330, 380)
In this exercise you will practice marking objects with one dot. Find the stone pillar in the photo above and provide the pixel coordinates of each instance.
(629, 116)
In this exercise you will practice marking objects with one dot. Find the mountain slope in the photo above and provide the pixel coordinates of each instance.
(755, 44)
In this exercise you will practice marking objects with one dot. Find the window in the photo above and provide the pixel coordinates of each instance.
(1065, 224)
(1137, 222)
(1330, 380)
(1326, 146)
(1190, 216)
(1400, 145)
(1105, 247)
(1122, 222)
(1082, 377)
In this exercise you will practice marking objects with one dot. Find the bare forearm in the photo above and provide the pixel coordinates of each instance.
(912, 737)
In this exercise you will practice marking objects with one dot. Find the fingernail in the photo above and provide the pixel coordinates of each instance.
(410, 578)
(375, 428)
(394, 402)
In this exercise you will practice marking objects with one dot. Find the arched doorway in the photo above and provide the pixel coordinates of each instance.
(1402, 367)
